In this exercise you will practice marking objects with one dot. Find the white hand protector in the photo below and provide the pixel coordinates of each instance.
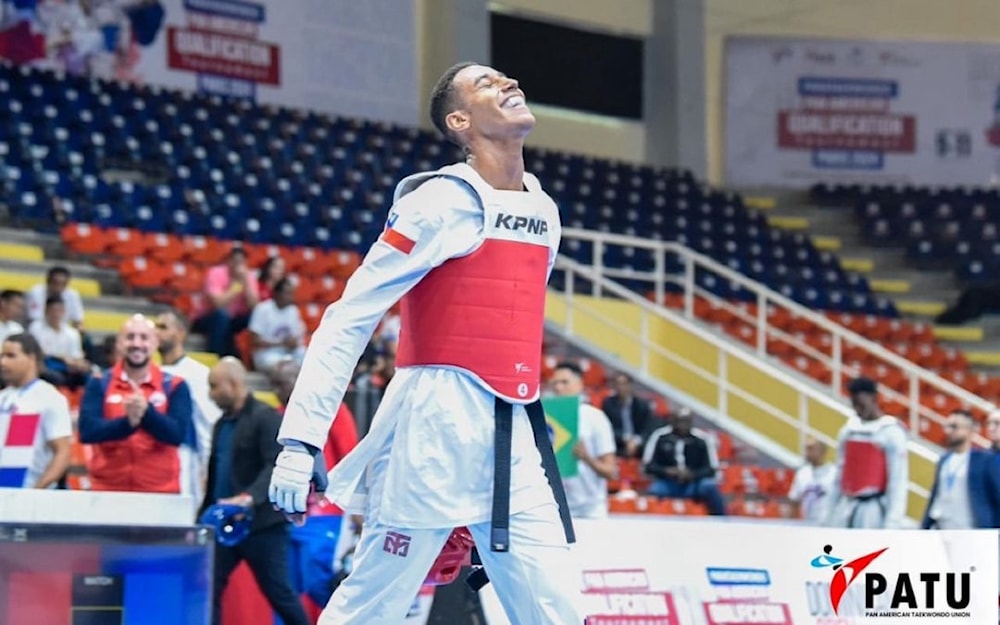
(291, 479)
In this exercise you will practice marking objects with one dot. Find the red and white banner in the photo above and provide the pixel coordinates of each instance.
(801, 111)
(660, 571)
(346, 57)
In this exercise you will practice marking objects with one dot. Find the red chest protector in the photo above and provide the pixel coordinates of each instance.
(485, 312)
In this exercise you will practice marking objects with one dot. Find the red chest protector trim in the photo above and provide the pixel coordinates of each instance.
(485, 312)
(139, 463)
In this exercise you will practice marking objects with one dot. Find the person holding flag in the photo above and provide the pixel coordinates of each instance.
(594, 450)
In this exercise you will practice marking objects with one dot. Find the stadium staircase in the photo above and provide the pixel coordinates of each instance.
(918, 246)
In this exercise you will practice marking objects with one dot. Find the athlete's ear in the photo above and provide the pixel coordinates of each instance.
(457, 121)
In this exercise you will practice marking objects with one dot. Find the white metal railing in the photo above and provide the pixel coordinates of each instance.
(808, 394)
(767, 300)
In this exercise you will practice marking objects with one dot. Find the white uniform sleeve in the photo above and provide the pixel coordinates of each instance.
(833, 508)
(897, 458)
(798, 484)
(56, 420)
(440, 220)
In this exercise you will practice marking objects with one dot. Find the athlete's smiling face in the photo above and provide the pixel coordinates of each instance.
(490, 105)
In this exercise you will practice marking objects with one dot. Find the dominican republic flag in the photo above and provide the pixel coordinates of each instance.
(395, 237)
(18, 449)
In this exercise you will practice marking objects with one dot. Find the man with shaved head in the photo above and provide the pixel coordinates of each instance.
(137, 417)
(244, 448)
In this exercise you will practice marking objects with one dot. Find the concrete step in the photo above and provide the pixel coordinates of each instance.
(918, 294)
(50, 244)
(107, 277)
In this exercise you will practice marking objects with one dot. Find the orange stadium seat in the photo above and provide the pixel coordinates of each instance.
(168, 248)
(622, 506)
(84, 239)
(126, 243)
(143, 273)
(205, 251)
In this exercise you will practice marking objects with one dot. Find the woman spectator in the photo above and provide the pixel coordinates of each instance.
(270, 272)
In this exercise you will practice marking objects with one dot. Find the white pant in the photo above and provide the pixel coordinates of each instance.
(867, 514)
(390, 564)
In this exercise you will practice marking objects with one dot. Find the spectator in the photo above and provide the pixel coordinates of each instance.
(112, 350)
(36, 417)
(244, 449)
(137, 416)
(232, 292)
(11, 313)
(993, 431)
(56, 284)
(683, 464)
(65, 364)
(308, 542)
(966, 491)
(388, 331)
(276, 329)
(270, 273)
(587, 491)
(813, 484)
(631, 417)
(171, 332)
(343, 434)
(870, 488)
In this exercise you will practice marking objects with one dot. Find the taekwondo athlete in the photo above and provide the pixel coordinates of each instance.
(869, 490)
(468, 249)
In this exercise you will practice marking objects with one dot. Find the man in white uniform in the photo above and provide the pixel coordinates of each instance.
(468, 249)
(35, 426)
(587, 491)
(872, 466)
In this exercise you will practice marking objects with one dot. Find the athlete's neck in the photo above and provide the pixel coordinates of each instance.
(502, 166)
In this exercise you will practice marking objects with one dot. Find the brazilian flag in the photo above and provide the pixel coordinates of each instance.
(562, 415)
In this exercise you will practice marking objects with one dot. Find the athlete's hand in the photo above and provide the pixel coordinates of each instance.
(291, 481)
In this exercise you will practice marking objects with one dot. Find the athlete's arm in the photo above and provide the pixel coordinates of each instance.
(425, 228)
(897, 486)
(838, 475)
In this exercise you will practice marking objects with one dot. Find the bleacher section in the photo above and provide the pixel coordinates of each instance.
(264, 175)
(158, 184)
(954, 229)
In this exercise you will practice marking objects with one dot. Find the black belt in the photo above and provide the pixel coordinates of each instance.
(500, 522)
(877, 497)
